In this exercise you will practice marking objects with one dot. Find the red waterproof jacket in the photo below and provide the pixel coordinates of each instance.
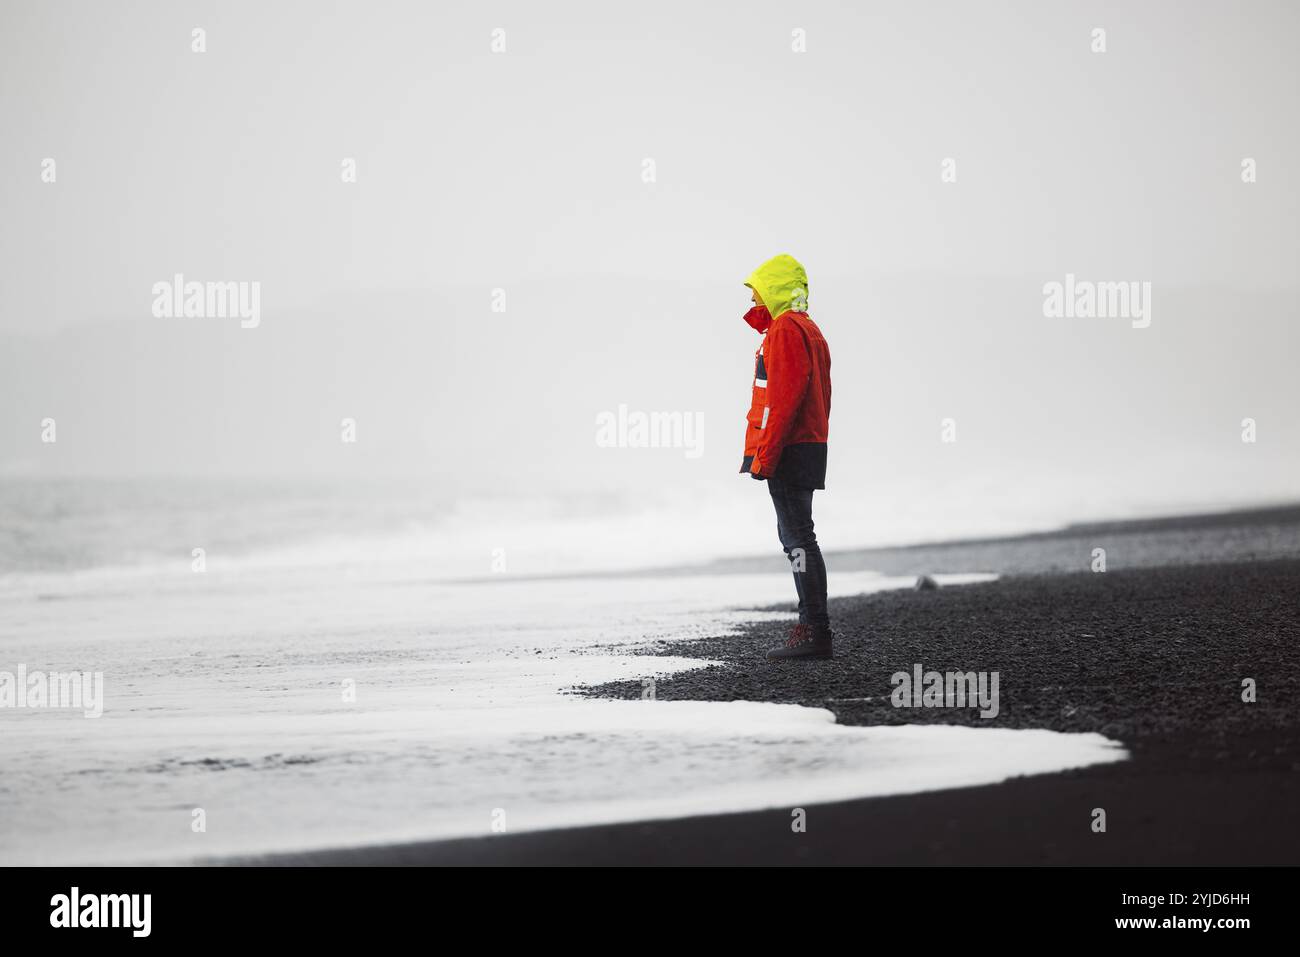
(789, 412)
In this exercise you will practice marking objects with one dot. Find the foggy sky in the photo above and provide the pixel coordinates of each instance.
(523, 171)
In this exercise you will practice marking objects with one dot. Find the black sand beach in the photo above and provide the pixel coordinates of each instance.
(1153, 657)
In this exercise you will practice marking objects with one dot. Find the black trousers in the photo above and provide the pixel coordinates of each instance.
(794, 526)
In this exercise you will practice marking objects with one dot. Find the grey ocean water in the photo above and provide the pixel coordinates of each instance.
(324, 682)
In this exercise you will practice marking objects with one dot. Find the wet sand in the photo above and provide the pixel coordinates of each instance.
(1152, 657)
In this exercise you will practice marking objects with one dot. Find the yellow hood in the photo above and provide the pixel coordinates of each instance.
(782, 285)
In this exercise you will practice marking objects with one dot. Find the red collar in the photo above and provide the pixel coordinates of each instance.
(759, 318)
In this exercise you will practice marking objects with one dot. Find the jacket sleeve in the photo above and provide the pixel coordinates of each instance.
(789, 370)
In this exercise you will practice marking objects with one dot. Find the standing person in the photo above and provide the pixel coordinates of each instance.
(785, 439)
